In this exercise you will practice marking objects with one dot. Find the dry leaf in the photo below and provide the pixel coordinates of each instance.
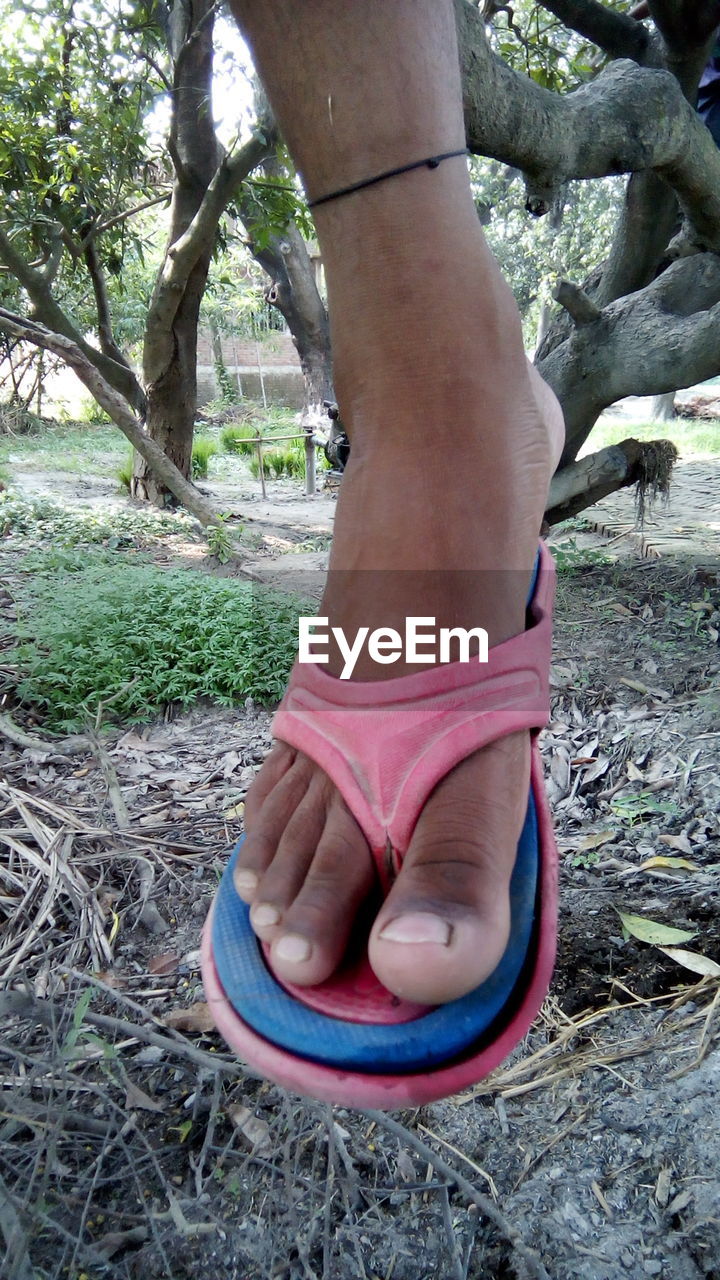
(197, 1017)
(674, 864)
(135, 1097)
(597, 839)
(693, 961)
(596, 770)
(256, 1131)
(652, 931)
(237, 811)
(111, 979)
(113, 1241)
(681, 843)
(560, 769)
(662, 1186)
(681, 1201)
(633, 773)
(165, 963)
(637, 685)
(405, 1167)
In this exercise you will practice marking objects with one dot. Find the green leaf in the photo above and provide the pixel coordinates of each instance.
(652, 931)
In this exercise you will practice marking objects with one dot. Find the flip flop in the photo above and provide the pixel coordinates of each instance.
(386, 744)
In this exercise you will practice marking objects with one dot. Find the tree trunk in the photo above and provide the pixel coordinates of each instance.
(663, 407)
(170, 355)
(294, 292)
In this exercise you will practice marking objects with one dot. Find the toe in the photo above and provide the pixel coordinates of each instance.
(293, 854)
(275, 800)
(446, 922)
(316, 927)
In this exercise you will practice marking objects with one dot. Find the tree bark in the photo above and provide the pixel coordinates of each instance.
(295, 294)
(656, 340)
(171, 383)
(628, 118)
(582, 483)
(663, 407)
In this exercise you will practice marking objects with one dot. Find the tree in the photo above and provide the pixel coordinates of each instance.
(646, 322)
(79, 81)
(562, 92)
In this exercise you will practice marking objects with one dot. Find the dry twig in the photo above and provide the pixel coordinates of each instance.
(482, 1202)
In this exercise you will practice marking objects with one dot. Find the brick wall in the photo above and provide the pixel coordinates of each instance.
(279, 365)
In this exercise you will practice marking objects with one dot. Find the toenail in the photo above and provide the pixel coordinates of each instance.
(417, 927)
(246, 881)
(264, 915)
(293, 947)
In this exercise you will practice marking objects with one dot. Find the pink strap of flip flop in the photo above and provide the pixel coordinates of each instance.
(387, 743)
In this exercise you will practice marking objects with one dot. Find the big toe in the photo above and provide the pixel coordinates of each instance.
(444, 926)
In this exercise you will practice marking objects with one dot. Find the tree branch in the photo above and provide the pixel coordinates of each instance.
(116, 408)
(98, 229)
(576, 302)
(685, 24)
(660, 339)
(629, 118)
(119, 376)
(188, 248)
(616, 33)
(108, 344)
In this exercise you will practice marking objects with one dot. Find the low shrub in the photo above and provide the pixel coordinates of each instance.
(289, 461)
(237, 438)
(45, 520)
(204, 448)
(138, 639)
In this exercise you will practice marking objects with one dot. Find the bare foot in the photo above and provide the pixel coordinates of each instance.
(455, 492)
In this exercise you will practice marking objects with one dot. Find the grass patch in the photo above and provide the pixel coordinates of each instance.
(288, 461)
(238, 438)
(42, 520)
(138, 639)
(691, 435)
(204, 448)
(71, 447)
(125, 472)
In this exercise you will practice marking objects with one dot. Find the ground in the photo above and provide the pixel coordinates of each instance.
(132, 1145)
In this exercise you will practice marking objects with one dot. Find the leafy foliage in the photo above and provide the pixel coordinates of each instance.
(146, 639)
(571, 242)
(74, 93)
(204, 448)
(41, 519)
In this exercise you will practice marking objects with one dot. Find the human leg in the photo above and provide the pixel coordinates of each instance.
(454, 439)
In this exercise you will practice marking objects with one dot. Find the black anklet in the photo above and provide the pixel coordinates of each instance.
(432, 162)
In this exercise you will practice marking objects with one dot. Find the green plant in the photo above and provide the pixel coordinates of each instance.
(568, 556)
(125, 473)
(220, 541)
(140, 638)
(585, 860)
(238, 438)
(641, 806)
(204, 448)
(289, 461)
(45, 520)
